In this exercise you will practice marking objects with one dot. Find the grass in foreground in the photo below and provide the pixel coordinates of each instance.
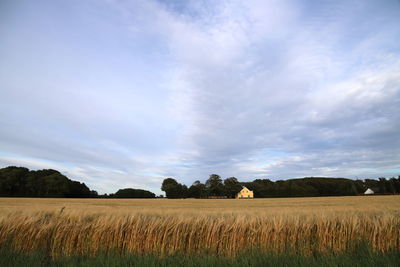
(177, 232)
(72, 234)
(362, 257)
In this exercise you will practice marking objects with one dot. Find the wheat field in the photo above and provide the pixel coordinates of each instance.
(64, 227)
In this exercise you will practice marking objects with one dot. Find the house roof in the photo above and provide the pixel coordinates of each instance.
(243, 187)
(368, 192)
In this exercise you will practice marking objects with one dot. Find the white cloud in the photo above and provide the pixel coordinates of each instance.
(247, 89)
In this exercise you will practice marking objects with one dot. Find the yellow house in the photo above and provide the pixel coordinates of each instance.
(245, 193)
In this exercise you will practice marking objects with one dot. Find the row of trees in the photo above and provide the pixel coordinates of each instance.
(21, 182)
(214, 186)
(303, 187)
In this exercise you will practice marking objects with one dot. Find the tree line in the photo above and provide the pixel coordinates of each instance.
(22, 182)
(215, 186)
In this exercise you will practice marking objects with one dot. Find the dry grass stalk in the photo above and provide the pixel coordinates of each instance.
(226, 233)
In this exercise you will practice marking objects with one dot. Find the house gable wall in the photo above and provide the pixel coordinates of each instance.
(245, 193)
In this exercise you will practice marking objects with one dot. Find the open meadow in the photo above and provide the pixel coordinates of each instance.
(220, 227)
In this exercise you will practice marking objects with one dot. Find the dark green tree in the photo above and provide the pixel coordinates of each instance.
(214, 185)
(382, 185)
(197, 190)
(20, 182)
(263, 188)
(173, 189)
(232, 187)
(133, 193)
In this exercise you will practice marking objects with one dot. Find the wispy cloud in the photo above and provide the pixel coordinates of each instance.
(149, 89)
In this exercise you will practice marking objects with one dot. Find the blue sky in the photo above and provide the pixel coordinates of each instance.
(125, 93)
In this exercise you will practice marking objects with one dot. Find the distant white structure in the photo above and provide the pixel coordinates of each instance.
(369, 192)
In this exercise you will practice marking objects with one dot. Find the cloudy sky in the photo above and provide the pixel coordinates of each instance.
(125, 93)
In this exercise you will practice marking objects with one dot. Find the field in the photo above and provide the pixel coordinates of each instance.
(162, 228)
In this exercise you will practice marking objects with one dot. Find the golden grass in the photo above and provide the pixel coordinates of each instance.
(221, 227)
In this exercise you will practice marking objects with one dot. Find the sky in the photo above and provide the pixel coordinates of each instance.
(119, 93)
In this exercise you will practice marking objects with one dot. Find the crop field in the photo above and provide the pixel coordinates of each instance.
(221, 227)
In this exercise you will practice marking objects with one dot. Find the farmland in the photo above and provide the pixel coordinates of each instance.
(163, 227)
